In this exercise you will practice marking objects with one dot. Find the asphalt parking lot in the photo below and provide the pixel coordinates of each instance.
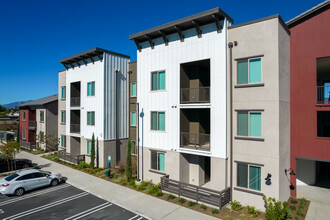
(61, 202)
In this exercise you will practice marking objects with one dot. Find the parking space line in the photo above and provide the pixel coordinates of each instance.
(32, 195)
(140, 218)
(40, 208)
(81, 213)
(133, 217)
(79, 217)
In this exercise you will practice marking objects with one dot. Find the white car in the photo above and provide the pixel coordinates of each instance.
(18, 183)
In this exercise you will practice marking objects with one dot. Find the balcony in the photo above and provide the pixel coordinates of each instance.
(75, 94)
(32, 125)
(323, 94)
(75, 102)
(75, 128)
(195, 141)
(195, 95)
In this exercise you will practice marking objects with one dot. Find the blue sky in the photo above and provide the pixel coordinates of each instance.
(36, 34)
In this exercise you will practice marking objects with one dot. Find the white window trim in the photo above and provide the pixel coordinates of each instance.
(91, 88)
(64, 92)
(131, 119)
(43, 121)
(23, 116)
(157, 121)
(135, 89)
(23, 134)
(63, 123)
(157, 90)
(91, 120)
(248, 176)
(249, 111)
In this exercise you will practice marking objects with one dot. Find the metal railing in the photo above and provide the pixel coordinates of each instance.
(323, 94)
(62, 154)
(75, 102)
(75, 128)
(195, 95)
(28, 145)
(195, 141)
(32, 125)
(198, 193)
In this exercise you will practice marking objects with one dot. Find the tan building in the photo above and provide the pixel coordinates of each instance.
(133, 113)
(62, 109)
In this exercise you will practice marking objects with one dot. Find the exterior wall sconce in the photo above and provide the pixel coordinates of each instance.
(292, 173)
(268, 180)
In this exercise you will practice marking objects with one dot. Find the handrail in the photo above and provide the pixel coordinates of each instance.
(323, 95)
(197, 141)
(195, 95)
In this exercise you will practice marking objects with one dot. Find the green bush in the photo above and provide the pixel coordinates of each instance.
(143, 185)
(292, 207)
(132, 182)
(83, 165)
(289, 215)
(235, 205)
(303, 201)
(154, 189)
(191, 203)
(275, 210)
(202, 206)
(294, 201)
(214, 211)
(158, 194)
(252, 211)
(297, 218)
(299, 212)
(170, 196)
(182, 200)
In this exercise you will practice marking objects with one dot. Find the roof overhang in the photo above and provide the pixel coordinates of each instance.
(193, 21)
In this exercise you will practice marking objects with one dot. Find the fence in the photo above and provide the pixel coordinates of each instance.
(28, 145)
(62, 154)
(195, 95)
(323, 94)
(200, 194)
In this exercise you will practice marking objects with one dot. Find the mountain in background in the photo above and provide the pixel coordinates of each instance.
(13, 104)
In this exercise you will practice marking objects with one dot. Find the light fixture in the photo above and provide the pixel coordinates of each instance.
(268, 180)
(292, 173)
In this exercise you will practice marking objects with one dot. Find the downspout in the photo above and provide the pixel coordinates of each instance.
(230, 46)
(116, 118)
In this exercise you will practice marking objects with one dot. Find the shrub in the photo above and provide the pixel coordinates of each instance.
(202, 206)
(129, 161)
(191, 203)
(292, 207)
(252, 211)
(227, 216)
(289, 215)
(158, 194)
(275, 210)
(122, 167)
(170, 196)
(294, 201)
(132, 182)
(83, 165)
(299, 212)
(182, 200)
(143, 185)
(303, 201)
(92, 164)
(297, 218)
(154, 189)
(215, 211)
(235, 205)
(242, 215)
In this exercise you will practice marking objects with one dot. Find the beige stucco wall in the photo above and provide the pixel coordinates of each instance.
(41, 126)
(62, 107)
(268, 40)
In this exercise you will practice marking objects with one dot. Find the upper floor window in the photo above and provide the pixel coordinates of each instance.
(42, 116)
(158, 121)
(63, 117)
(249, 71)
(91, 89)
(63, 92)
(23, 116)
(133, 118)
(249, 176)
(133, 89)
(249, 123)
(158, 80)
(90, 118)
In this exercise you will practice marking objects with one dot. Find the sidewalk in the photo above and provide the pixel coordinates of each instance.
(138, 202)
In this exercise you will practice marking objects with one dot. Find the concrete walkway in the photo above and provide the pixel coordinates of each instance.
(130, 199)
(319, 207)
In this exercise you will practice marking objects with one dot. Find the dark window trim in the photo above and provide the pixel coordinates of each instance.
(249, 85)
(249, 57)
(248, 163)
(249, 138)
(156, 171)
(248, 191)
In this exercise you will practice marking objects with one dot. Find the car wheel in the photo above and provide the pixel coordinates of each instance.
(26, 166)
(54, 182)
(19, 192)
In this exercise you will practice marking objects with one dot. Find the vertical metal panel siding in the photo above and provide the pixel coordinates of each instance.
(112, 63)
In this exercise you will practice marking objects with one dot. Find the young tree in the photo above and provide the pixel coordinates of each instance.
(9, 151)
(51, 142)
(17, 137)
(93, 152)
(129, 161)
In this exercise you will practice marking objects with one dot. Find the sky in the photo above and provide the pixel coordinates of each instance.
(36, 34)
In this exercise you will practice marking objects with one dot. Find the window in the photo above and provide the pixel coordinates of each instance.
(91, 89)
(11, 177)
(158, 121)
(249, 123)
(63, 140)
(23, 116)
(42, 116)
(157, 161)
(63, 117)
(249, 71)
(323, 124)
(158, 80)
(90, 118)
(63, 92)
(25, 177)
(89, 147)
(23, 134)
(249, 176)
(133, 118)
(133, 89)
(134, 148)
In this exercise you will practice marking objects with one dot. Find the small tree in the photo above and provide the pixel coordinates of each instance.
(17, 137)
(129, 161)
(93, 152)
(275, 210)
(9, 151)
(51, 142)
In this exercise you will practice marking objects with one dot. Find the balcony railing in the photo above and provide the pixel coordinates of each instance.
(195, 95)
(32, 125)
(62, 154)
(75, 102)
(28, 145)
(323, 95)
(75, 128)
(195, 141)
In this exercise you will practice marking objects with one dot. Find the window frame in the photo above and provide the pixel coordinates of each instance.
(157, 161)
(91, 124)
(155, 90)
(132, 90)
(63, 122)
(92, 83)
(131, 119)
(63, 97)
(248, 61)
(23, 116)
(90, 150)
(248, 176)
(23, 134)
(134, 152)
(42, 112)
(249, 132)
(63, 141)
(158, 121)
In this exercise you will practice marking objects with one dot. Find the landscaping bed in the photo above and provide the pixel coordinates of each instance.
(297, 208)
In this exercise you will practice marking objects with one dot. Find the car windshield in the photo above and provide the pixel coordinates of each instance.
(13, 176)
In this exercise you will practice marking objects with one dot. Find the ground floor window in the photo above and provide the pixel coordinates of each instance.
(63, 141)
(249, 176)
(134, 148)
(89, 147)
(158, 161)
(23, 134)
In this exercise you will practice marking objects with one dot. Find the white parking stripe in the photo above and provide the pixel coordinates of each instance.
(140, 218)
(133, 217)
(31, 211)
(32, 195)
(81, 213)
(93, 211)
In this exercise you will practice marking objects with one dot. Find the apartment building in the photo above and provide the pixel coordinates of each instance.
(196, 77)
(38, 120)
(133, 113)
(259, 79)
(310, 102)
(94, 100)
